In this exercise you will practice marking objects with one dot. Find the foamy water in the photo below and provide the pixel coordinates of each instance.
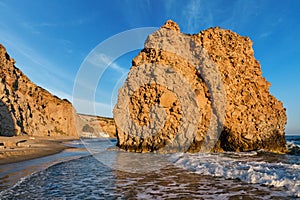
(246, 168)
(252, 175)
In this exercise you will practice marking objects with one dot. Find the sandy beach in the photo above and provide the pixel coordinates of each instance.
(21, 148)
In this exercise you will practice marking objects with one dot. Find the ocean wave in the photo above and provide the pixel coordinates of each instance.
(293, 148)
(248, 168)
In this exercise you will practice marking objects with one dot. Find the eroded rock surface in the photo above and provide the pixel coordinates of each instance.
(27, 109)
(253, 118)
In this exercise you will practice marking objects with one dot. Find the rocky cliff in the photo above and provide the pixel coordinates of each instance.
(216, 73)
(27, 109)
(95, 126)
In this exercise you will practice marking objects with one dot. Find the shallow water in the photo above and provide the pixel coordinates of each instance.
(251, 175)
(10, 174)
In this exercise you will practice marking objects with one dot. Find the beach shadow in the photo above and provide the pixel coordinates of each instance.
(7, 125)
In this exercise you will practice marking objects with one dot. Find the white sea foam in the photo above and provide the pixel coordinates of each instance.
(246, 168)
(292, 144)
(294, 148)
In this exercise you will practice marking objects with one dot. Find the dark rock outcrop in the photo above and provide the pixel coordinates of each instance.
(253, 118)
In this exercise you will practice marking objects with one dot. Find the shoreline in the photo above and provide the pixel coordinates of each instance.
(21, 148)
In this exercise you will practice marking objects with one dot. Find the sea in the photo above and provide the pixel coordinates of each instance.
(95, 169)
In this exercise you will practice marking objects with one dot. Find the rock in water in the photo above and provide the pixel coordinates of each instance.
(202, 92)
(26, 108)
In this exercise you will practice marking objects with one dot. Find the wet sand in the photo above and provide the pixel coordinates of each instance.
(21, 148)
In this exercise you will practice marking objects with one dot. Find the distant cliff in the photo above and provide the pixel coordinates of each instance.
(95, 126)
(253, 118)
(27, 109)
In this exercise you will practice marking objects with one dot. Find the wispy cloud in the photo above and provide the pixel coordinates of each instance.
(35, 28)
(241, 13)
(37, 25)
(33, 63)
(101, 60)
(80, 21)
(67, 45)
(41, 27)
(168, 5)
(195, 14)
(48, 24)
(28, 52)
(92, 107)
(2, 4)
(264, 35)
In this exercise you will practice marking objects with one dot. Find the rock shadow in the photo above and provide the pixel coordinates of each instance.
(7, 125)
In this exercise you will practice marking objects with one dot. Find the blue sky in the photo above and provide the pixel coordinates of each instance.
(50, 39)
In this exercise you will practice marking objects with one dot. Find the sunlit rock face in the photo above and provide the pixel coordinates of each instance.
(95, 126)
(27, 109)
(235, 113)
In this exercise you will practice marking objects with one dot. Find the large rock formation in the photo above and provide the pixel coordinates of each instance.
(27, 109)
(252, 118)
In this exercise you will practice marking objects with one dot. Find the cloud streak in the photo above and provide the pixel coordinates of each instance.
(37, 59)
(196, 13)
(101, 60)
(34, 64)
(92, 107)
